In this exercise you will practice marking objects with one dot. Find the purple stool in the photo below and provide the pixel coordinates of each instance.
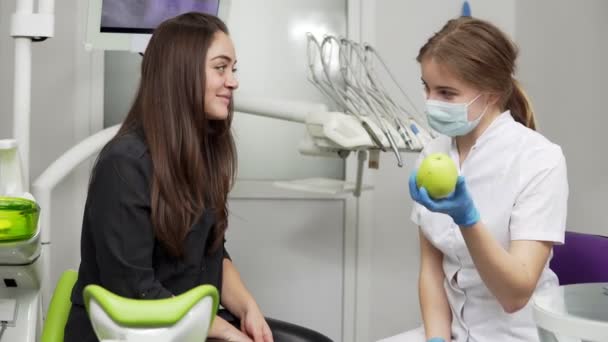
(583, 258)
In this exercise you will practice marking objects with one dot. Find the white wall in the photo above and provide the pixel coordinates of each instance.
(398, 29)
(271, 48)
(292, 264)
(121, 78)
(563, 57)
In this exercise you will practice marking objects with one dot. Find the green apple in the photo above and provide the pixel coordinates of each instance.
(438, 175)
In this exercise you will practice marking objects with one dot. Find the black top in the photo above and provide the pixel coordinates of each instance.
(118, 249)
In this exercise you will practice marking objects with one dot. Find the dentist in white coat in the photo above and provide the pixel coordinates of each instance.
(485, 249)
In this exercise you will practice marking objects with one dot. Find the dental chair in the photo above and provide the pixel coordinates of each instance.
(583, 258)
(183, 318)
(281, 331)
(186, 317)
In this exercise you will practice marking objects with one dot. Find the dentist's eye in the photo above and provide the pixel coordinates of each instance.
(446, 94)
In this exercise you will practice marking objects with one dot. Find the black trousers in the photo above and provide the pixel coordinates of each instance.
(281, 331)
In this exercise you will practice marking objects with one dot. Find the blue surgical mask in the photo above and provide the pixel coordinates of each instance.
(451, 119)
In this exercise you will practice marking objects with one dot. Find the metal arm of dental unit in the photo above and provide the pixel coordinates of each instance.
(27, 26)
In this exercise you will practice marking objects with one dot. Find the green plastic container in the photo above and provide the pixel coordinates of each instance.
(18, 218)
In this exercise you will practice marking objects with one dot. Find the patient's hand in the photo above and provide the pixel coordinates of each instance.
(254, 324)
(222, 330)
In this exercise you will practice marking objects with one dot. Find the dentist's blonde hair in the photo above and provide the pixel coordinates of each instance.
(481, 55)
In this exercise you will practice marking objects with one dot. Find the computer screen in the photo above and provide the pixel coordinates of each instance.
(128, 24)
(142, 16)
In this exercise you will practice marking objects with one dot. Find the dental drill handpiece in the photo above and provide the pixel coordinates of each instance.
(394, 147)
(373, 136)
(404, 134)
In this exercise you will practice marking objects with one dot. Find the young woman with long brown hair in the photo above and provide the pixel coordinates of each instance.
(156, 210)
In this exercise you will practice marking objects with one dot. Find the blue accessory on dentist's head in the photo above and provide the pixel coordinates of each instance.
(451, 119)
(466, 9)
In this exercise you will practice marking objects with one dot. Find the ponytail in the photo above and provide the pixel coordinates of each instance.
(520, 106)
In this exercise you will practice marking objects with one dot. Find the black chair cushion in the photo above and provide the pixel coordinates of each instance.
(281, 331)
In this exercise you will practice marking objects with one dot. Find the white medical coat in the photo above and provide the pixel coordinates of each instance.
(517, 179)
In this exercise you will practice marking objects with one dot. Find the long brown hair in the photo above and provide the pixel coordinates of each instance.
(194, 158)
(483, 56)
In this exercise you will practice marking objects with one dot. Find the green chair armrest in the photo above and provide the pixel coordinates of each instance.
(149, 312)
(59, 308)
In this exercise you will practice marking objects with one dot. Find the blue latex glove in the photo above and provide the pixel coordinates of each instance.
(435, 339)
(458, 205)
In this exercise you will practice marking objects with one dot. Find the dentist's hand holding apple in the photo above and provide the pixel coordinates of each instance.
(437, 186)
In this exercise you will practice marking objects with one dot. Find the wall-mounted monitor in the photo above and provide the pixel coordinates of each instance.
(128, 24)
